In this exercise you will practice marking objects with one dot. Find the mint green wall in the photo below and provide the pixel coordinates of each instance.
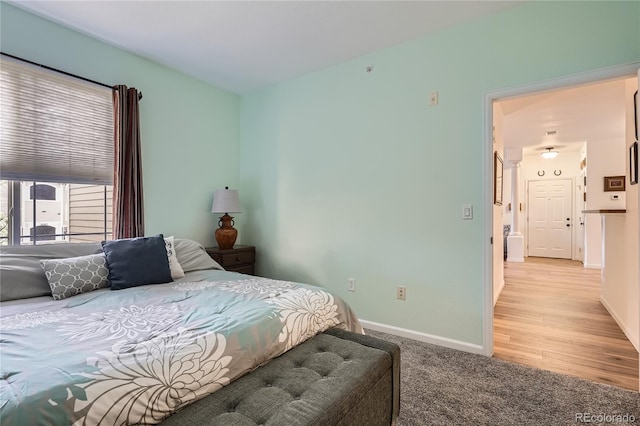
(345, 173)
(189, 129)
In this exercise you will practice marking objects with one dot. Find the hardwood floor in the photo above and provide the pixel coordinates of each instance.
(549, 316)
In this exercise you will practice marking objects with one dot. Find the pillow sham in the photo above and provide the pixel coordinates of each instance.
(137, 261)
(76, 275)
(193, 256)
(174, 265)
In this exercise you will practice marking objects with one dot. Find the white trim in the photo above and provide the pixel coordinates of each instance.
(423, 337)
(633, 339)
(615, 71)
(487, 234)
(526, 218)
(497, 294)
(593, 266)
(574, 218)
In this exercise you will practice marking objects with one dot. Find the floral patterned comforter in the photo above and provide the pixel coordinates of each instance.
(135, 356)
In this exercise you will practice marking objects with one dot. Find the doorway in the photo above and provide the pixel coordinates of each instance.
(616, 72)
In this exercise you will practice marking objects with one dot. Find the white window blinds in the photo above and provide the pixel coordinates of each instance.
(53, 128)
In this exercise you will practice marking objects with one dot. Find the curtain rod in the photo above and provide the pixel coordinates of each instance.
(63, 72)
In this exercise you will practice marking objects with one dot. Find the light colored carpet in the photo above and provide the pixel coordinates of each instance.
(441, 386)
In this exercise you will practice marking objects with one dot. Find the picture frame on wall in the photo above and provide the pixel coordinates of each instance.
(633, 163)
(498, 171)
(614, 183)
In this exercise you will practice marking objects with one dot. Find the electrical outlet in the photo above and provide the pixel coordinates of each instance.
(351, 284)
(402, 293)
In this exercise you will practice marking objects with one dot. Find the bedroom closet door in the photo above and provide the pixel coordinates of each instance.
(550, 218)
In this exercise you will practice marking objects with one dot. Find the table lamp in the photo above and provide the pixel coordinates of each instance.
(226, 201)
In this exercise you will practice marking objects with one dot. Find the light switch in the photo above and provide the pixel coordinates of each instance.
(433, 99)
(467, 211)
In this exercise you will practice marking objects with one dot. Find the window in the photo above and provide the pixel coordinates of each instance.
(79, 213)
(56, 156)
(42, 192)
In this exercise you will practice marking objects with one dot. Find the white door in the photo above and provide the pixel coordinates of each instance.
(549, 221)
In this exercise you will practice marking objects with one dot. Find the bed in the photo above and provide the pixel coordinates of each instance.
(137, 355)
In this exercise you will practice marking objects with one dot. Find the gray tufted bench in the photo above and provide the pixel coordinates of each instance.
(334, 378)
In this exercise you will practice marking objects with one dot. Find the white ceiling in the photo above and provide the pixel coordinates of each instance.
(244, 45)
(593, 112)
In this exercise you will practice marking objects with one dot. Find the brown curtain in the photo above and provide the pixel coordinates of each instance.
(128, 213)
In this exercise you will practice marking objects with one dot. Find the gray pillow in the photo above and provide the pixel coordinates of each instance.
(76, 275)
(21, 275)
(193, 257)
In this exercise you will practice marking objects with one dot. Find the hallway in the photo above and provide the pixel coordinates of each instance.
(549, 316)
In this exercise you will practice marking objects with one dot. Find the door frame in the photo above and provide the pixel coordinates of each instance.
(616, 71)
(572, 209)
(580, 206)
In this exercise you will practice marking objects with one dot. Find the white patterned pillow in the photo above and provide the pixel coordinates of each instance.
(76, 275)
(174, 265)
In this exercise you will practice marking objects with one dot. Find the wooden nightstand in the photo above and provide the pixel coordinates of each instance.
(238, 259)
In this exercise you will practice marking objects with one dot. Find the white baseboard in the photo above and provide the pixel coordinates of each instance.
(424, 337)
(497, 294)
(633, 339)
(593, 266)
(515, 259)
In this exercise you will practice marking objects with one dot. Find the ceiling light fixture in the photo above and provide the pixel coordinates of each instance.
(549, 154)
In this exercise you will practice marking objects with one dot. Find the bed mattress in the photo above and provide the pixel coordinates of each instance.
(135, 356)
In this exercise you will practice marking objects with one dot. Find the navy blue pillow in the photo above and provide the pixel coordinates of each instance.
(137, 261)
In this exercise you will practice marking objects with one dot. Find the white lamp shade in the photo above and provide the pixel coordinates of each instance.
(225, 201)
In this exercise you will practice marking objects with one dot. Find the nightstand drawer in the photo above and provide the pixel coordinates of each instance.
(238, 259)
(241, 258)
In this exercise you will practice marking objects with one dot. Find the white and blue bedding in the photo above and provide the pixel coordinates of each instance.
(135, 356)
